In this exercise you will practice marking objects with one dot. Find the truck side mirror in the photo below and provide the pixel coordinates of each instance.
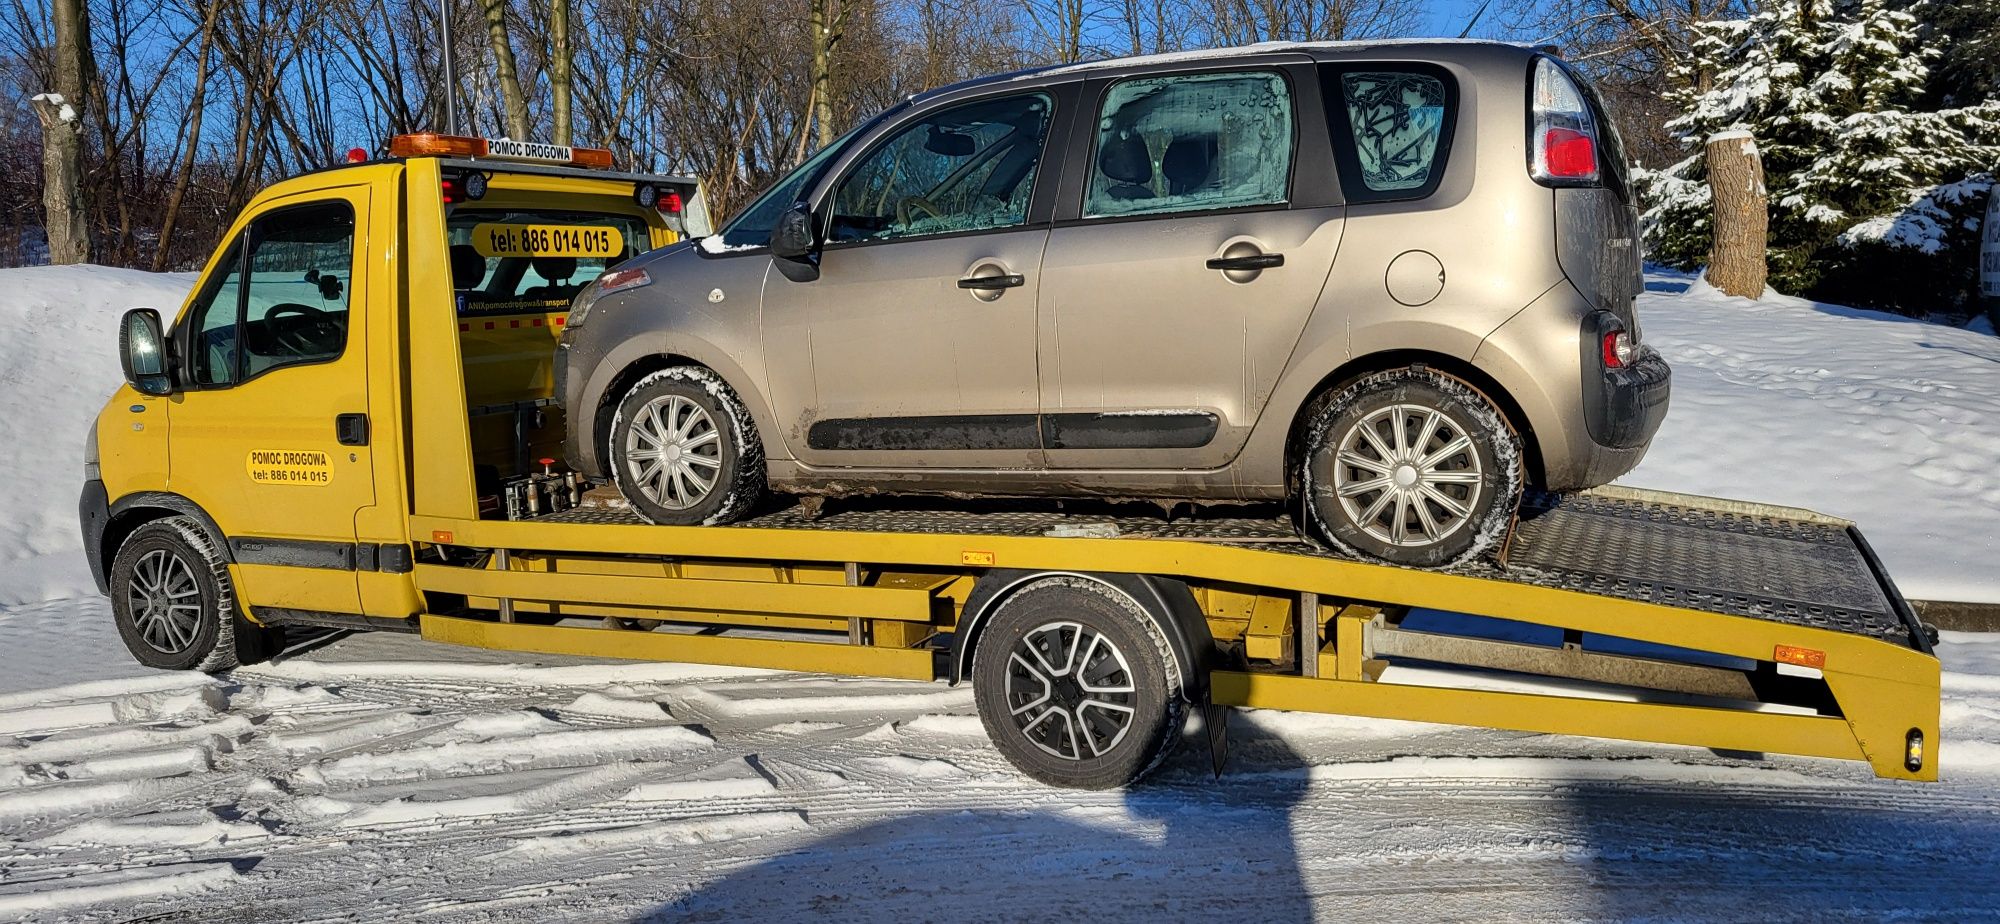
(142, 350)
(794, 246)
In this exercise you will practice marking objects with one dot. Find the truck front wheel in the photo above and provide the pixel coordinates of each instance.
(175, 606)
(1076, 685)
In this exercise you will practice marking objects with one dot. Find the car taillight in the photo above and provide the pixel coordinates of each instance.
(1563, 133)
(1618, 349)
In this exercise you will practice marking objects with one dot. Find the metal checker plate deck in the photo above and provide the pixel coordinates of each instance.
(1765, 567)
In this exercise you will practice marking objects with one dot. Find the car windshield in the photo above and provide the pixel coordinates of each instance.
(752, 226)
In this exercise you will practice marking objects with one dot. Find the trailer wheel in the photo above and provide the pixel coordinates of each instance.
(175, 606)
(684, 450)
(1410, 466)
(1076, 684)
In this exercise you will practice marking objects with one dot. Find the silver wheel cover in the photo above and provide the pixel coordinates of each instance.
(673, 452)
(1407, 475)
(1070, 690)
(165, 601)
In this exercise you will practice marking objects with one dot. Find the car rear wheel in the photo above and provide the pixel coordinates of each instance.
(174, 603)
(1076, 685)
(684, 450)
(1412, 467)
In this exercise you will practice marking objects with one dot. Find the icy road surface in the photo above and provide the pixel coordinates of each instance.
(383, 778)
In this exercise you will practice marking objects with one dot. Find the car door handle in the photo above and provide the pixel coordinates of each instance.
(1005, 281)
(1255, 261)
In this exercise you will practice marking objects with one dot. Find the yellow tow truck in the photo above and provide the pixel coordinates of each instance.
(349, 424)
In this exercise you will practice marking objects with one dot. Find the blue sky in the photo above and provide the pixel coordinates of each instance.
(1447, 17)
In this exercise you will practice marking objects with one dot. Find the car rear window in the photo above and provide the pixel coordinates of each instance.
(1392, 128)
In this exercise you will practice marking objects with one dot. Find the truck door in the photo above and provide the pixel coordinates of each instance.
(270, 431)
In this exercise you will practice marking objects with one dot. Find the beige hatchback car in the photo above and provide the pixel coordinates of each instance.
(1391, 281)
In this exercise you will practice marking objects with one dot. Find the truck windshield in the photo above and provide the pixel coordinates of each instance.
(510, 261)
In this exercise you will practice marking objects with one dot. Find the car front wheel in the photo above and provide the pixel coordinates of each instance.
(1412, 467)
(684, 450)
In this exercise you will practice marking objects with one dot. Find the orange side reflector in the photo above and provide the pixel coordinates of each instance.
(593, 158)
(442, 536)
(1803, 657)
(969, 557)
(432, 144)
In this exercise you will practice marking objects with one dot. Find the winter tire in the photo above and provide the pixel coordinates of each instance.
(684, 451)
(1076, 685)
(175, 606)
(1410, 466)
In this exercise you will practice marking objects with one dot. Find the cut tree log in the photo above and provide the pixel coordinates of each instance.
(1742, 214)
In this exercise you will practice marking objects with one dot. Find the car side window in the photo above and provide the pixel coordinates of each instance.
(1397, 122)
(970, 168)
(1192, 142)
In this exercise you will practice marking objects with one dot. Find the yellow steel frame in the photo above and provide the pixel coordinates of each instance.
(1884, 690)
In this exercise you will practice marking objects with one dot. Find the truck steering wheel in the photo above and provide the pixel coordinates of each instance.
(298, 337)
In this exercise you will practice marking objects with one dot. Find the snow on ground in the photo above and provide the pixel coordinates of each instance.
(58, 362)
(384, 778)
(381, 777)
(1873, 417)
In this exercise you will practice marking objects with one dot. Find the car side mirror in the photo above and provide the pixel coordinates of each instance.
(142, 350)
(794, 245)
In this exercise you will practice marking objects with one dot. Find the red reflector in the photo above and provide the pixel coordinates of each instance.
(1569, 153)
(538, 322)
(1611, 358)
(670, 202)
(559, 321)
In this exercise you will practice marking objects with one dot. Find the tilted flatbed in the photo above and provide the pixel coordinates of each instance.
(1753, 584)
(362, 489)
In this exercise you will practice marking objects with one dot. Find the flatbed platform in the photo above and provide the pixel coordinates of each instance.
(1773, 563)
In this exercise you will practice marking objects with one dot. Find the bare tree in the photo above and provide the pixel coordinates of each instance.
(63, 205)
(504, 71)
(560, 59)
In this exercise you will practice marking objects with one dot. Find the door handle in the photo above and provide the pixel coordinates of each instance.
(1005, 281)
(351, 429)
(1255, 261)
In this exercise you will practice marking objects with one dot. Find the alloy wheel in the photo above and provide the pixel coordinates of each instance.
(165, 601)
(1070, 691)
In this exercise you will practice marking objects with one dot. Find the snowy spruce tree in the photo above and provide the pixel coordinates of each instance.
(1874, 200)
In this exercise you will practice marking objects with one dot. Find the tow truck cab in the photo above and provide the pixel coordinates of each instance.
(275, 413)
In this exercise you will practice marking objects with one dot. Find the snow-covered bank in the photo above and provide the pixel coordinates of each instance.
(1889, 422)
(58, 362)
(1877, 418)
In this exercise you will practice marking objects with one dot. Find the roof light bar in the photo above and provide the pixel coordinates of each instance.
(432, 144)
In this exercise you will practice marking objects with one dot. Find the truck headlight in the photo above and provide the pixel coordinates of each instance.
(90, 470)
